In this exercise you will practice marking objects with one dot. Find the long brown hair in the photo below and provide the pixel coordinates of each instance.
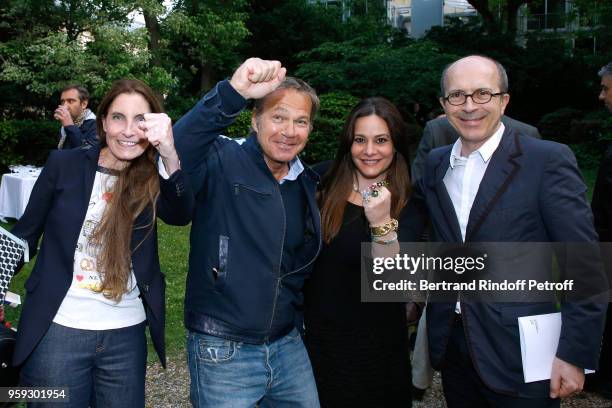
(338, 181)
(136, 189)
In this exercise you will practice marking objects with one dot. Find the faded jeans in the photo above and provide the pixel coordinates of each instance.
(226, 373)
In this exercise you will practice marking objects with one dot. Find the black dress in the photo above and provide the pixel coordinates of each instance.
(359, 351)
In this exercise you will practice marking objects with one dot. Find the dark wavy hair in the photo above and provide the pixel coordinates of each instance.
(337, 182)
(136, 188)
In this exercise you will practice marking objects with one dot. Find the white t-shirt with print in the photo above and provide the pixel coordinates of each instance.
(84, 306)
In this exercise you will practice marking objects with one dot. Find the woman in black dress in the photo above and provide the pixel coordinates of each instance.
(359, 351)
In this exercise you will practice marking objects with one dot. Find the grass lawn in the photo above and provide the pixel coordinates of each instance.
(173, 252)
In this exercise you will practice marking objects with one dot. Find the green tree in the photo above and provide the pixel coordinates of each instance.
(202, 40)
(283, 28)
(404, 74)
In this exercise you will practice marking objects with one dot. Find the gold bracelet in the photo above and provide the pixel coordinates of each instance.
(384, 229)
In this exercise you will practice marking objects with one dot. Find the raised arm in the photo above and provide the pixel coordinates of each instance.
(197, 130)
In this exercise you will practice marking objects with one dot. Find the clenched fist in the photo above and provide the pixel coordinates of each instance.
(256, 78)
(157, 128)
(378, 209)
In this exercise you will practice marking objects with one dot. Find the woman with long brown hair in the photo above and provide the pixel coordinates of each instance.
(97, 282)
(359, 351)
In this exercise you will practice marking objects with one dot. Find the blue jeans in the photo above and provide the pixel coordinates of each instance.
(226, 373)
(101, 368)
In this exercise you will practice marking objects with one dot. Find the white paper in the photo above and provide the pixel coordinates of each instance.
(539, 340)
(12, 299)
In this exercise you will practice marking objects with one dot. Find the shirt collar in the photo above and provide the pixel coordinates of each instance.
(485, 151)
(295, 169)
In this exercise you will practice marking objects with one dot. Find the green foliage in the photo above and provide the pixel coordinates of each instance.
(8, 140)
(544, 75)
(328, 125)
(557, 125)
(280, 30)
(242, 126)
(596, 14)
(47, 64)
(588, 155)
(587, 134)
(404, 74)
(27, 141)
(173, 256)
(35, 139)
(336, 105)
(200, 39)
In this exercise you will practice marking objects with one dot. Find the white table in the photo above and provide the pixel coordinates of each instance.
(15, 190)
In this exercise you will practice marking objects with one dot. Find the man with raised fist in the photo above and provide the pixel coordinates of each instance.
(255, 234)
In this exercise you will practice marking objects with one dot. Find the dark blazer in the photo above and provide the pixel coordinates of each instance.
(439, 132)
(532, 191)
(57, 208)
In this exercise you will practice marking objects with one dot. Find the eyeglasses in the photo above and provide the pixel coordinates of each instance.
(480, 96)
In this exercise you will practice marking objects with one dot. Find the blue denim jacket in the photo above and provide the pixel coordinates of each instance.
(235, 288)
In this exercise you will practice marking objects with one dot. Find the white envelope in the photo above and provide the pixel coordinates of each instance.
(539, 340)
(12, 299)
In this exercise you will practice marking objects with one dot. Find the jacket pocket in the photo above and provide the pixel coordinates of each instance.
(241, 188)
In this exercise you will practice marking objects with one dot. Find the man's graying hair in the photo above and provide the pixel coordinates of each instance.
(606, 70)
(83, 93)
(503, 76)
(299, 86)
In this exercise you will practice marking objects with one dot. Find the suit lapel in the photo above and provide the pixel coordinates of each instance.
(446, 205)
(89, 174)
(497, 178)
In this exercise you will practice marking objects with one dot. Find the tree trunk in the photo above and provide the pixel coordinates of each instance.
(482, 7)
(512, 7)
(207, 77)
(152, 26)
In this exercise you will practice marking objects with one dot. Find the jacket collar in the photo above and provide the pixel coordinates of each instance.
(91, 156)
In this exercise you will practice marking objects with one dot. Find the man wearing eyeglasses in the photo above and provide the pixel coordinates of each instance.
(494, 184)
(439, 132)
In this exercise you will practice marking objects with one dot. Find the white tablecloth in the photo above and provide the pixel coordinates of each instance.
(15, 190)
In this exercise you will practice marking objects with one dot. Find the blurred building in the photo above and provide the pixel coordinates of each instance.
(418, 16)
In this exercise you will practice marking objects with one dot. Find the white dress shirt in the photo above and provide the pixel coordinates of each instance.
(463, 177)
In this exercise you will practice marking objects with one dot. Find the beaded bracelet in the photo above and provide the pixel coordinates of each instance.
(384, 241)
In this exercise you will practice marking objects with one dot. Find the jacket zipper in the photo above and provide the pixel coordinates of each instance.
(280, 265)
